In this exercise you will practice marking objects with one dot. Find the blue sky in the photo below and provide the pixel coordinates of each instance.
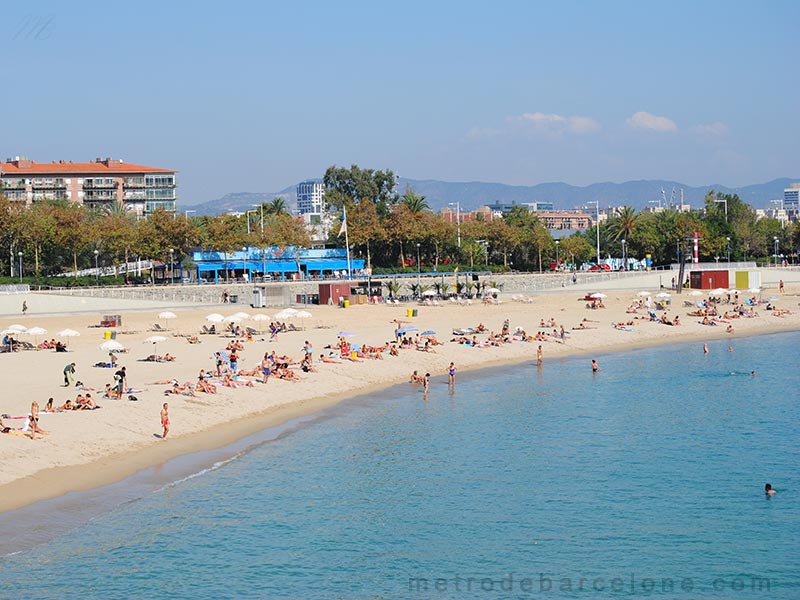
(246, 96)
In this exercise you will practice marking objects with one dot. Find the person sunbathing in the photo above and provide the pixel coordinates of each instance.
(229, 381)
(193, 340)
(68, 405)
(87, 404)
(49, 408)
(79, 385)
(185, 390)
(393, 351)
(416, 378)
(330, 359)
(204, 385)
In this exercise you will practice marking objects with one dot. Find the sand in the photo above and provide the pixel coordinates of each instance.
(88, 449)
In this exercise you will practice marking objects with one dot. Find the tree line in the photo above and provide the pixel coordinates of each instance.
(391, 230)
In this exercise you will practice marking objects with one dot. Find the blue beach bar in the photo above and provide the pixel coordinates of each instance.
(274, 263)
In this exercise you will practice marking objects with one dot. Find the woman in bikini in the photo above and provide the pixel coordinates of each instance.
(33, 420)
(165, 420)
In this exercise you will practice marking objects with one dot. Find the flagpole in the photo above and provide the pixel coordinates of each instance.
(346, 241)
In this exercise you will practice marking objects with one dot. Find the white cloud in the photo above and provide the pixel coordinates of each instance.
(558, 123)
(644, 120)
(712, 129)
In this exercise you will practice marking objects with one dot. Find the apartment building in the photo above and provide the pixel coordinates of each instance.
(94, 184)
(310, 198)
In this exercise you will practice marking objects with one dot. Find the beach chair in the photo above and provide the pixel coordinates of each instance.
(157, 327)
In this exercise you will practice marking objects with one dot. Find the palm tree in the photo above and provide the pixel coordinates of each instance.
(415, 202)
(625, 222)
(276, 206)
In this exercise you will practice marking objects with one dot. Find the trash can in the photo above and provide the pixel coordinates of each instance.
(410, 312)
(106, 335)
(346, 303)
(233, 298)
(113, 335)
(415, 313)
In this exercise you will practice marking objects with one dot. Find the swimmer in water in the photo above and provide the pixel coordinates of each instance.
(705, 348)
(768, 490)
(595, 366)
(730, 348)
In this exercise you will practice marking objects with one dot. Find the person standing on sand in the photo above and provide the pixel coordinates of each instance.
(25, 304)
(452, 373)
(120, 377)
(780, 289)
(165, 420)
(539, 355)
(69, 371)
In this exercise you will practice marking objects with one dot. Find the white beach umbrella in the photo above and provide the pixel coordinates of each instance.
(718, 291)
(233, 319)
(663, 295)
(429, 293)
(286, 313)
(261, 317)
(695, 293)
(754, 290)
(36, 332)
(111, 345)
(8, 332)
(643, 294)
(492, 291)
(18, 328)
(215, 318)
(302, 314)
(598, 295)
(242, 315)
(155, 340)
(167, 315)
(68, 333)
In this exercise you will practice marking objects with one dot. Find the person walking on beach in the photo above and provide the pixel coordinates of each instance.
(33, 420)
(120, 377)
(539, 355)
(595, 366)
(25, 304)
(234, 360)
(69, 371)
(425, 381)
(165, 420)
(452, 373)
(780, 289)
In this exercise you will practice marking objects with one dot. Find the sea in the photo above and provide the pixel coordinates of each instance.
(645, 479)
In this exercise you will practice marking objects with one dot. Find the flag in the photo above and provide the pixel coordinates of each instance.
(343, 229)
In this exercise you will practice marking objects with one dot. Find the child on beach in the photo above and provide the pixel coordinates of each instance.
(165, 420)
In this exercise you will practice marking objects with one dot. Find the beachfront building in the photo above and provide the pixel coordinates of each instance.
(791, 201)
(565, 219)
(310, 197)
(252, 264)
(96, 184)
(484, 213)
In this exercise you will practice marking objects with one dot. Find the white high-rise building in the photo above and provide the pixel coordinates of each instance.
(791, 197)
(310, 198)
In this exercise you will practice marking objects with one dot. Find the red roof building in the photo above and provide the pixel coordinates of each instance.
(94, 184)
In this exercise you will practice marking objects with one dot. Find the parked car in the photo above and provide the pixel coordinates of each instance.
(600, 267)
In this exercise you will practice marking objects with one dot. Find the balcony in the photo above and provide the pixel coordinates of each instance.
(92, 185)
(133, 185)
(52, 185)
(13, 184)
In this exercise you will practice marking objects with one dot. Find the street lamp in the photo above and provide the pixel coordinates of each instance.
(624, 261)
(419, 269)
(96, 268)
(20, 264)
(247, 214)
(186, 213)
(244, 268)
(557, 243)
(725, 201)
(172, 266)
(458, 219)
(597, 225)
(775, 238)
(728, 250)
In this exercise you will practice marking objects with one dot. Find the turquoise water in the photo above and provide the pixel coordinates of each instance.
(643, 480)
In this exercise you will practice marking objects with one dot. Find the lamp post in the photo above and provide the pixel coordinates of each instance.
(557, 243)
(96, 268)
(624, 260)
(20, 264)
(244, 268)
(458, 219)
(597, 225)
(728, 250)
(775, 256)
(419, 269)
(247, 214)
(172, 266)
(186, 213)
(725, 202)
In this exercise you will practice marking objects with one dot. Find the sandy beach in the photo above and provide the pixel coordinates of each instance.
(86, 449)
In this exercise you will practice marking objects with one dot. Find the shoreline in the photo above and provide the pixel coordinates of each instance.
(113, 467)
(56, 482)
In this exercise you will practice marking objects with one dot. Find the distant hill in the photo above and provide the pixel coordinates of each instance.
(473, 194)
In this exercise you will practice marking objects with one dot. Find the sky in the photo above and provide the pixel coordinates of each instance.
(256, 96)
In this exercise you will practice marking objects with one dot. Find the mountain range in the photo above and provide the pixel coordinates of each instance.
(473, 194)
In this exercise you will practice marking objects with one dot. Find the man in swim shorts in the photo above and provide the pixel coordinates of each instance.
(165, 420)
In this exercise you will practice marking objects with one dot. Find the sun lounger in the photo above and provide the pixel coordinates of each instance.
(157, 327)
